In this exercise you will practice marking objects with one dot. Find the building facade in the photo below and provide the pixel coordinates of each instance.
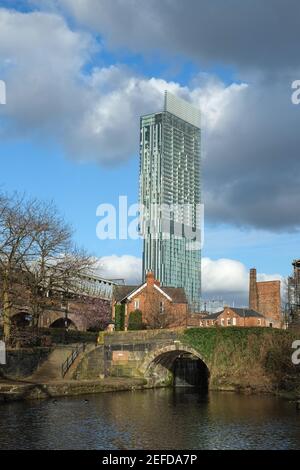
(294, 295)
(242, 317)
(87, 309)
(160, 306)
(265, 298)
(170, 195)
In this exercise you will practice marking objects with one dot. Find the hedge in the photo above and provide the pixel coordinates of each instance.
(120, 317)
(135, 321)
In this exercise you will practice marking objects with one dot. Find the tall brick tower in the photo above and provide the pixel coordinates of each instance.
(264, 297)
(253, 300)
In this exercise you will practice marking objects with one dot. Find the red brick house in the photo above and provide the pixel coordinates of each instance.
(161, 306)
(231, 316)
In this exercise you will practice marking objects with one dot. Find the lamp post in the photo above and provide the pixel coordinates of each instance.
(66, 312)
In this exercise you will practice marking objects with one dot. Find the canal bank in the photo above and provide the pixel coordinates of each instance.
(23, 390)
(247, 360)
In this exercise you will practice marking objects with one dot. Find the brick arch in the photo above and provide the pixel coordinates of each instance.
(49, 317)
(169, 353)
(60, 323)
(19, 318)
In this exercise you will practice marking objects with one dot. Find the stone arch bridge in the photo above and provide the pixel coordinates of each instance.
(159, 356)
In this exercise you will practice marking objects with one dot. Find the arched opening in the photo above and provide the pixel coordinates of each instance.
(190, 371)
(177, 368)
(63, 323)
(21, 319)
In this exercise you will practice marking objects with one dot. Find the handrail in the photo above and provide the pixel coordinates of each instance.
(71, 358)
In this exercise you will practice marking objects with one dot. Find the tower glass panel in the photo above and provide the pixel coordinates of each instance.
(170, 193)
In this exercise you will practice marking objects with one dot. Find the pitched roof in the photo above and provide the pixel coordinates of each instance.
(212, 316)
(247, 312)
(241, 312)
(177, 294)
(119, 292)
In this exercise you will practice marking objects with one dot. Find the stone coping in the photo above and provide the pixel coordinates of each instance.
(24, 390)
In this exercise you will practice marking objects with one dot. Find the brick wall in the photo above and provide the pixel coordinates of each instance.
(230, 318)
(269, 302)
(264, 297)
(158, 309)
(85, 313)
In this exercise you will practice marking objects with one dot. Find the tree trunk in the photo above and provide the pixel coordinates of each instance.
(6, 308)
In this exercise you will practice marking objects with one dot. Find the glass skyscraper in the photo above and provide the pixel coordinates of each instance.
(170, 194)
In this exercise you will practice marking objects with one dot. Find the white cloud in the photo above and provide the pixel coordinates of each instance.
(222, 279)
(121, 267)
(224, 276)
(93, 112)
(228, 280)
(55, 93)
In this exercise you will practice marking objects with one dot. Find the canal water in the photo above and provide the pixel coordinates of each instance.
(177, 418)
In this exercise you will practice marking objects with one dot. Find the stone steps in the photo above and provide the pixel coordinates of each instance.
(51, 368)
(70, 375)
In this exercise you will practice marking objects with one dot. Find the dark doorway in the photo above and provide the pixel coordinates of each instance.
(190, 371)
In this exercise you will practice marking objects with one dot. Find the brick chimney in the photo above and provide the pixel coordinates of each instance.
(150, 279)
(253, 300)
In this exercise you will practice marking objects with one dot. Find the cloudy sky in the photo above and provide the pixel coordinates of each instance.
(79, 73)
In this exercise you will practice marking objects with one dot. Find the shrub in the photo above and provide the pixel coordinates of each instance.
(120, 317)
(135, 321)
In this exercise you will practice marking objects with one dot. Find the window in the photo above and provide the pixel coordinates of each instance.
(161, 307)
(136, 304)
(234, 321)
(222, 321)
(228, 321)
(259, 322)
(207, 322)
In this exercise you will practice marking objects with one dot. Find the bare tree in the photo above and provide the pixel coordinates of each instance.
(36, 251)
(52, 239)
(16, 243)
(59, 266)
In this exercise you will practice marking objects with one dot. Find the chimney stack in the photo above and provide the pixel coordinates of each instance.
(253, 304)
(150, 279)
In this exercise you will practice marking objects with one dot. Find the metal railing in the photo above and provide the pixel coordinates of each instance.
(70, 360)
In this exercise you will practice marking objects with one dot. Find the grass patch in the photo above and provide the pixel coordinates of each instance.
(247, 357)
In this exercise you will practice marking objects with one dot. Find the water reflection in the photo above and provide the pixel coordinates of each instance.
(177, 418)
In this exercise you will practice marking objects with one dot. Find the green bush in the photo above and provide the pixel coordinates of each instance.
(135, 321)
(244, 351)
(120, 317)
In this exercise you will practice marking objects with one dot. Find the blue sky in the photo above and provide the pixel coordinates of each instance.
(78, 188)
(69, 131)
